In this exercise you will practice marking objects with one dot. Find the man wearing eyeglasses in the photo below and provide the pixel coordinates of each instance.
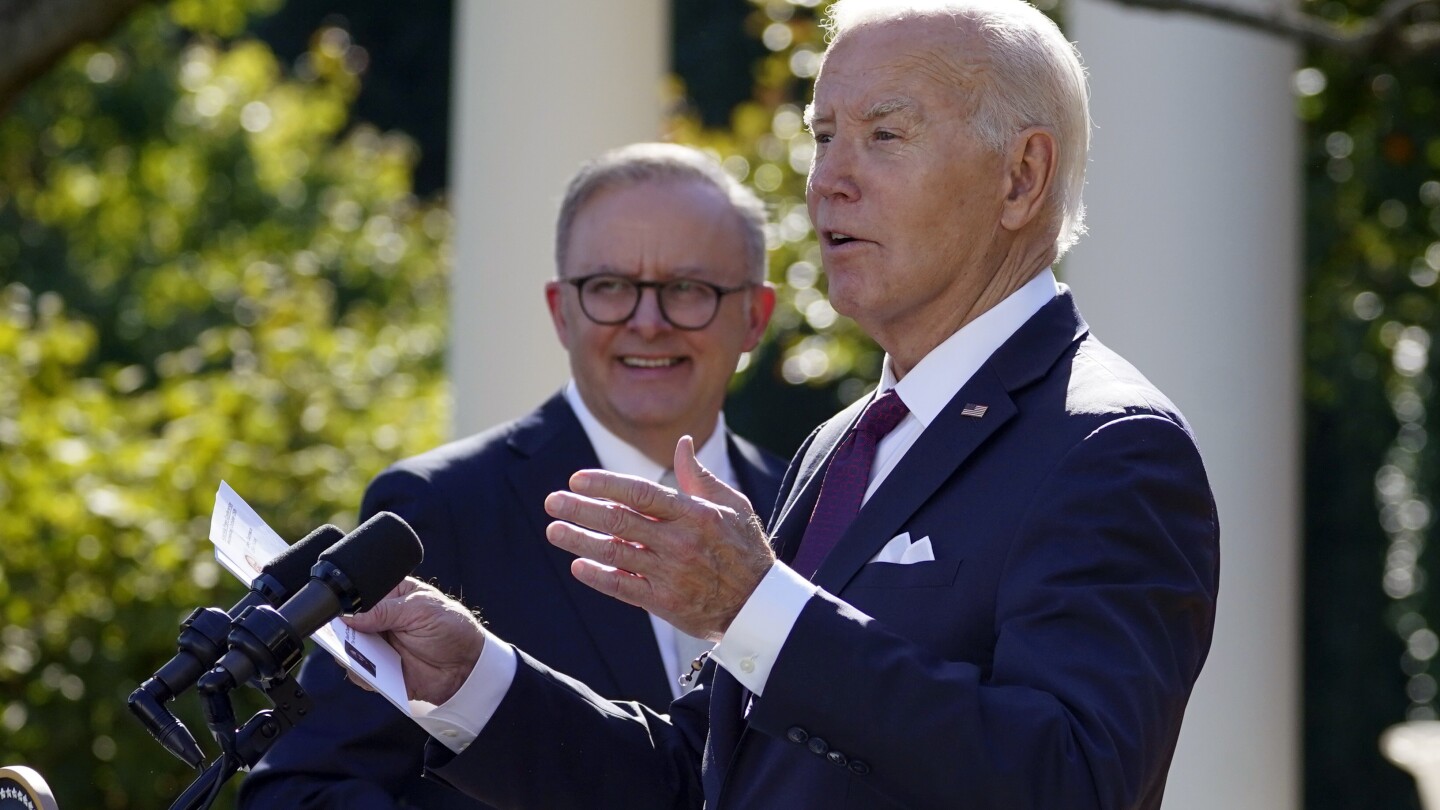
(660, 287)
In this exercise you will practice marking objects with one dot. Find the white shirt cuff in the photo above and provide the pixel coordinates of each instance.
(752, 643)
(458, 721)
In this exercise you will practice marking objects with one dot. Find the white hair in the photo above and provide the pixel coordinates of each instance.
(1037, 80)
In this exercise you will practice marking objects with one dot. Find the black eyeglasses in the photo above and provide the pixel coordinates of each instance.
(686, 303)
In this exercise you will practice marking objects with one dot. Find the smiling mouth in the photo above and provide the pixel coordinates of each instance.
(651, 362)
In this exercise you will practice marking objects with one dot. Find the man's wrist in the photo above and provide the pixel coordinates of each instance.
(461, 718)
(755, 637)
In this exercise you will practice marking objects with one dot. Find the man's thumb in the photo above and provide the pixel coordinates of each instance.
(695, 480)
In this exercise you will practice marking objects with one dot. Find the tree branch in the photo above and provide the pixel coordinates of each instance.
(1390, 33)
(35, 34)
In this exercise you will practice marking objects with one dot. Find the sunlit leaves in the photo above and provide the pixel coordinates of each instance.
(767, 147)
(205, 274)
(1371, 312)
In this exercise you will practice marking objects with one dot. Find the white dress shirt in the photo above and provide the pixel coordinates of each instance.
(459, 721)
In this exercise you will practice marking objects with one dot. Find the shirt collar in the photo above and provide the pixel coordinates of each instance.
(939, 375)
(616, 455)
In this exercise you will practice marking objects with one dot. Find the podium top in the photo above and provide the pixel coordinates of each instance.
(22, 788)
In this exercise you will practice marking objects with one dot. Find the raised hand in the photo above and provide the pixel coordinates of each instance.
(691, 556)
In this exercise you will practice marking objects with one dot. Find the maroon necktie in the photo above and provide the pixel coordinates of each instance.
(846, 480)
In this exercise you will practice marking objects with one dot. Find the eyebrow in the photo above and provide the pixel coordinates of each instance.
(879, 109)
(682, 271)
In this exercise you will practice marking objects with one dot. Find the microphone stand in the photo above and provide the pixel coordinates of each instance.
(250, 742)
(202, 639)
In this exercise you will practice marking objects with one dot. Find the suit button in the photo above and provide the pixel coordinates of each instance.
(818, 746)
(797, 734)
(859, 767)
(837, 758)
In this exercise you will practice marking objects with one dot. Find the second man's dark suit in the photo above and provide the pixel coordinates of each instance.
(478, 508)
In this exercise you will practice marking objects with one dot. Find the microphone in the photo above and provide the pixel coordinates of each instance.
(351, 576)
(203, 640)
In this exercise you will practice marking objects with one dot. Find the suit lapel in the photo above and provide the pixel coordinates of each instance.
(749, 465)
(931, 461)
(551, 445)
(790, 524)
(946, 443)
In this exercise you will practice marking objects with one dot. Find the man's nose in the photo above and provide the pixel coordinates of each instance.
(832, 173)
(648, 320)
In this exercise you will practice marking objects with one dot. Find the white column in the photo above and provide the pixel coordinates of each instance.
(539, 87)
(1192, 272)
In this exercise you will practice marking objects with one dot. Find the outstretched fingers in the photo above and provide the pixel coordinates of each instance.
(638, 520)
(643, 496)
(603, 548)
(615, 582)
(691, 556)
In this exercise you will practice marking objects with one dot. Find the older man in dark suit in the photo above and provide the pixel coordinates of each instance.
(991, 584)
(647, 369)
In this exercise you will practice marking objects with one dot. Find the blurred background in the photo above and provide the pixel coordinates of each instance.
(283, 244)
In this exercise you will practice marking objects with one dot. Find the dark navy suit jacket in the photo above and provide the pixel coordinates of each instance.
(477, 506)
(1042, 660)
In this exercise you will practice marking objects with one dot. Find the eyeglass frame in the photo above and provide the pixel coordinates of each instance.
(659, 288)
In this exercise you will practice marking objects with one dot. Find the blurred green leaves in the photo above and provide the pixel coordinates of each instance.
(1371, 147)
(206, 273)
(766, 145)
(1373, 208)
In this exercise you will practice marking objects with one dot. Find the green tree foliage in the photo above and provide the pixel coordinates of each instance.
(1372, 182)
(205, 273)
(814, 361)
(767, 146)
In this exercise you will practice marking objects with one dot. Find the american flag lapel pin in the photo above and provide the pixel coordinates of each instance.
(974, 410)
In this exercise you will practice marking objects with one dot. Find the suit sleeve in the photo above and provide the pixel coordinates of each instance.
(355, 751)
(1102, 620)
(555, 743)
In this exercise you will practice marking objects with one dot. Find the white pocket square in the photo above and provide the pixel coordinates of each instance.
(903, 552)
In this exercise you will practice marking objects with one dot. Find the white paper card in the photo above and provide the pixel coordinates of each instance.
(244, 544)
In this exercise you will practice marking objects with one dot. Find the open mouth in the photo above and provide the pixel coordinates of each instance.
(838, 238)
(651, 362)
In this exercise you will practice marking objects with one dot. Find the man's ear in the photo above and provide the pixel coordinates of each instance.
(1030, 167)
(762, 305)
(554, 299)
